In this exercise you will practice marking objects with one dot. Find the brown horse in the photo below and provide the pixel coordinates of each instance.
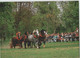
(18, 42)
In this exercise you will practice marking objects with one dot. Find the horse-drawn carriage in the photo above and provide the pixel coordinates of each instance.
(29, 39)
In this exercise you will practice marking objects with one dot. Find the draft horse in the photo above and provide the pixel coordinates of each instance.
(42, 38)
(18, 42)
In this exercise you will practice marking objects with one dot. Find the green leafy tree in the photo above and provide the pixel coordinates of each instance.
(46, 16)
(71, 15)
(6, 20)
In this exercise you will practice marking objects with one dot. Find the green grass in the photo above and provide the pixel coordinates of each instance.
(52, 50)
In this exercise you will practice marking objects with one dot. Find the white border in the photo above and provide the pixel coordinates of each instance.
(32, 0)
(79, 29)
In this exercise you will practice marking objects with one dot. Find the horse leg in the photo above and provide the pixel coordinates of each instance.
(44, 44)
(39, 44)
(14, 44)
(21, 45)
(29, 44)
(24, 44)
(33, 43)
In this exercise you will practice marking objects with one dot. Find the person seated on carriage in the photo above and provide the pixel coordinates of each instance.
(18, 34)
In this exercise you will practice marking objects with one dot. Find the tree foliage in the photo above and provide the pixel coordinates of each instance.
(46, 16)
(6, 19)
(71, 15)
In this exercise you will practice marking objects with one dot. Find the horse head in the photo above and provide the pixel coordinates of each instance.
(36, 32)
(19, 34)
(43, 32)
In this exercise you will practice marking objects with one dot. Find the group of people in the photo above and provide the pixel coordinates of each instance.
(70, 36)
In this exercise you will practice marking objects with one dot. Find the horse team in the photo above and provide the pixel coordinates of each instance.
(34, 39)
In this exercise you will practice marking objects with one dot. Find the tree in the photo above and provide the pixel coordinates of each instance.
(46, 16)
(22, 17)
(71, 15)
(6, 19)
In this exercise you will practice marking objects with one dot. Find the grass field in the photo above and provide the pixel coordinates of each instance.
(52, 50)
